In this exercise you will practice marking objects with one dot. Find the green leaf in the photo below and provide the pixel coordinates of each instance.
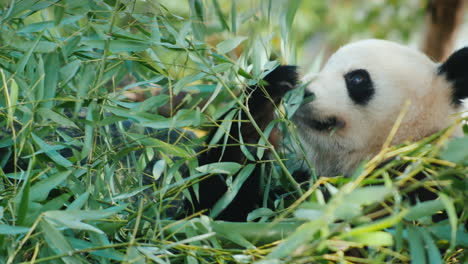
(222, 67)
(443, 231)
(213, 96)
(58, 243)
(151, 103)
(186, 80)
(258, 213)
(71, 45)
(89, 132)
(229, 44)
(293, 100)
(40, 190)
(376, 226)
(302, 235)
(160, 145)
(456, 151)
(73, 218)
(234, 236)
(59, 11)
(368, 195)
(201, 88)
(416, 246)
(39, 87)
(79, 202)
(108, 253)
(373, 239)
(452, 215)
(220, 15)
(352, 204)
(232, 190)
(69, 71)
(262, 142)
(51, 153)
(12, 230)
(36, 27)
(310, 211)
(47, 25)
(57, 118)
(116, 46)
(158, 169)
(424, 209)
(433, 252)
(146, 83)
(53, 203)
(133, 256)
(130, 193)
(220, 167)
(24, 202)
(224, 128)
(25, 58)
(233, 17)
(198, 19)
(50, 79)
(13, 99)
(244, 74)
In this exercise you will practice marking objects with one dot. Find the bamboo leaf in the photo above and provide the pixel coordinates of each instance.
(25, 58)
(40, 190)
(12, 230)
(433, 253)
(50, 79)
(456, 151)
(117, 46)
(24, 202)
(416, 246)
(303, 234)
(56, 117)
(230, 44)
(424, 209)
(69, 71)
(453, 218)
(79, 202)
(198, 19)
(58, 243)
(232, 190)
(373, 239)
(220, 167)
(158, 169)
(51, 153)
(219, 13)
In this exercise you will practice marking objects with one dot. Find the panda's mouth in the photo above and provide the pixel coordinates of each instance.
(327, 124)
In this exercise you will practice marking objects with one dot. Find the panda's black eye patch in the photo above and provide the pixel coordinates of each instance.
(359, 85)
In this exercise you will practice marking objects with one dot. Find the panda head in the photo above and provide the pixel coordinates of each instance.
(361, 91)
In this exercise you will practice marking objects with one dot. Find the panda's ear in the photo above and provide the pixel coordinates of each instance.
(455, 70)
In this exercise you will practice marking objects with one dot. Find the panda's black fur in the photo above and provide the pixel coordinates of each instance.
(455, 69)
(278, 82)
(262, 108)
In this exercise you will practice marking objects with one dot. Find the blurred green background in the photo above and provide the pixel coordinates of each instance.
(89, 176)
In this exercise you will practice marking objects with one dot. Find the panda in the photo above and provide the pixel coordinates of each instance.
(360, 92)
(356, 99)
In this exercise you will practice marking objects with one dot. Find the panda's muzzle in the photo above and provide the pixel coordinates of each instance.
(304, 117)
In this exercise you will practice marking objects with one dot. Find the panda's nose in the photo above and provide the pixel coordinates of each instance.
(308, 97)
(308, 94)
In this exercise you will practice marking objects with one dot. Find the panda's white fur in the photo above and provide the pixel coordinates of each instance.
(398, 73)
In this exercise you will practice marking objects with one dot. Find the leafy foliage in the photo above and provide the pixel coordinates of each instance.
(90, 176)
